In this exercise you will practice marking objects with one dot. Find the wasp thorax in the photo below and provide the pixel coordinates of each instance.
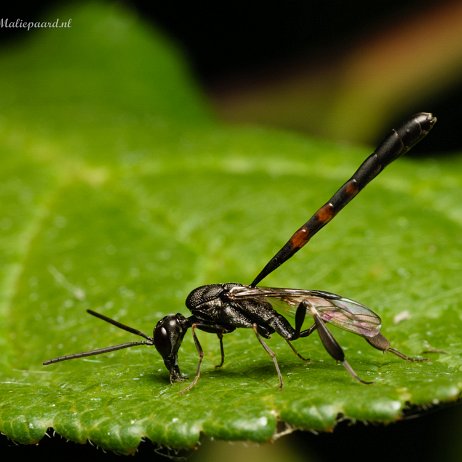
(205, 294)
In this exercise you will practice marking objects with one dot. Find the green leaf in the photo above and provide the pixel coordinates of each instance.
(120, 193)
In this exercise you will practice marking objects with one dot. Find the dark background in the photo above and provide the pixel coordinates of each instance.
(238, 48)
(241, 52)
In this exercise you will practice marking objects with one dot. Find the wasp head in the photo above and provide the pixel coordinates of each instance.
(168, 335)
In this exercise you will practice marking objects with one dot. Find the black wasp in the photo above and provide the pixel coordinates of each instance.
(222, 308)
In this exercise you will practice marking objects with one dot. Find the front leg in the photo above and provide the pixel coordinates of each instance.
(200, 351)
(206, 328)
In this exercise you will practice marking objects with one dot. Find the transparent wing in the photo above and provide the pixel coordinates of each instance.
(339, 311)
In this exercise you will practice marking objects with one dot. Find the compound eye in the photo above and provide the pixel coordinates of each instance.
(169, 333)
(162, 339)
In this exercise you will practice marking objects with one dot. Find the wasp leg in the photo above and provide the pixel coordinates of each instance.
(271, 354)
(200, 351)
(382, 344)
(333, 348)
(211, 329)
(307, 332)
(300, 315)
(296, 352)
(222, 350)
(298, 334)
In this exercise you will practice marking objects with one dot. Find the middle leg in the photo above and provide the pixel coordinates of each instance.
(271, 354)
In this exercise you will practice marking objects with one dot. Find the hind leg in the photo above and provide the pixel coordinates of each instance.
(334, 349)
(382, 344)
